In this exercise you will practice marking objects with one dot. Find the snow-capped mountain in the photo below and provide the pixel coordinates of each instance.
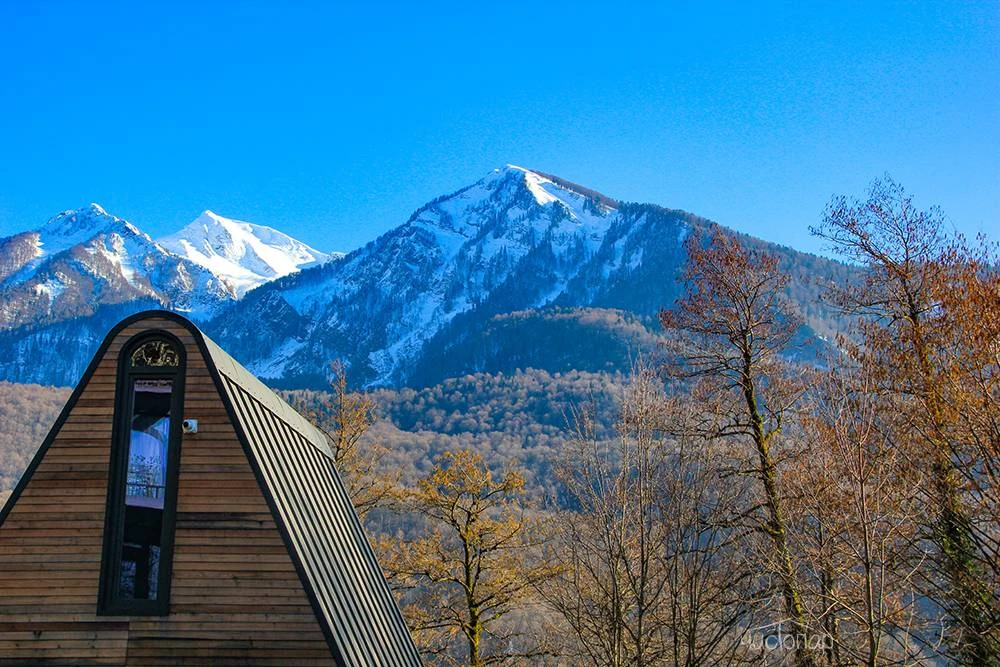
(83, 259)
(422, 301)
(518, 269)
(242, 254)
(85, 268)
(516, 240)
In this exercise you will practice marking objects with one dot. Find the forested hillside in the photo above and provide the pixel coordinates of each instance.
(727, 504)
(521, 419)
(27, 411)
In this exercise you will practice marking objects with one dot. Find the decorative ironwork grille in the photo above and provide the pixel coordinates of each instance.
(155, 353)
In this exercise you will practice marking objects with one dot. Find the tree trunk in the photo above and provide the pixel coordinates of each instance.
(776, 525)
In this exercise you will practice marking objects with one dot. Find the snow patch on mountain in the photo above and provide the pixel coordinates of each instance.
(275, 364)
(71, 228)
(52, 288)
(242, 254)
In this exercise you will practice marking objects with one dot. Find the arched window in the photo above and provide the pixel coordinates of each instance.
(142, 491)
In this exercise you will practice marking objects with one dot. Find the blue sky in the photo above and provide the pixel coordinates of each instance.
(334, 121)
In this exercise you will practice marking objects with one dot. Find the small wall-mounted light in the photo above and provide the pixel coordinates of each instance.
(189, 425)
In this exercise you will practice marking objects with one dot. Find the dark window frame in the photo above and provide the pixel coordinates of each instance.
(108, 604)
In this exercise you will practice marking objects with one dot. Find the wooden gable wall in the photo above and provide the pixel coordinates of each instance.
(236, 597)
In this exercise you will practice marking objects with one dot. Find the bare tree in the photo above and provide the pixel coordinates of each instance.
(714, 583)
(346, 418)
(855, 496)
(916, 328)
(471, 565)
(651, 572)
(729, 330)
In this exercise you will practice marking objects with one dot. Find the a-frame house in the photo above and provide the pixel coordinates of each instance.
(137, 537)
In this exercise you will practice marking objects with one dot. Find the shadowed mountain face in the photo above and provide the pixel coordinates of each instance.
(519, 269)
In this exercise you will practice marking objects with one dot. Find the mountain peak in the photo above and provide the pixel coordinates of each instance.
(509, 168)
(89, 212)
(510, 171)
(244, 254)
(78, 225)
(545, 186)
(210, 215)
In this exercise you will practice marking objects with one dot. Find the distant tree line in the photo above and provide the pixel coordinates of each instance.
(27, 412)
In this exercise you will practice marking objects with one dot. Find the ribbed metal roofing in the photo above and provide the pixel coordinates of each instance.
(327, 535)
(232, 369)
(294, 462)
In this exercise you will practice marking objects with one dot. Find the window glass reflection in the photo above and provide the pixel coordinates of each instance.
(145, 487)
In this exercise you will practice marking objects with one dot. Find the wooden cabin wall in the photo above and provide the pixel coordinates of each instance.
(236, 597)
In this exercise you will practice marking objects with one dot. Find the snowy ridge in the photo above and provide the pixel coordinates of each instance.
(242, 254)
(72, 228)
(85, 258)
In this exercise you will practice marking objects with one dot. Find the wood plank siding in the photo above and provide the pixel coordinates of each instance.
(236, 598)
